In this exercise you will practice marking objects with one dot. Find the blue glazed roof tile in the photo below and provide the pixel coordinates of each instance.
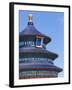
(30, 30)
(38, 66)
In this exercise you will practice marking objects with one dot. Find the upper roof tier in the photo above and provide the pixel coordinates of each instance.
(30, 30)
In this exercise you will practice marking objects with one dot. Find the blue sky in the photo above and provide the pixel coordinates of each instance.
(50, 24)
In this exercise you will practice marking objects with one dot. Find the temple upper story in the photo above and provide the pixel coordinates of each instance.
(31, 37)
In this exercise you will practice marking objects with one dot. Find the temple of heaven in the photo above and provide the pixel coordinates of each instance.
(34, 60)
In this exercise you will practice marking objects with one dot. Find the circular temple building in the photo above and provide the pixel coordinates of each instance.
(34, 60)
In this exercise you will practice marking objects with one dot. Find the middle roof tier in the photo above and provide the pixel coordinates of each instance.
(37, 52)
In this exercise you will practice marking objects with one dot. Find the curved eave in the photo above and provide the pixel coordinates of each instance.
(34, 66)
(41, 51)
(46, 38)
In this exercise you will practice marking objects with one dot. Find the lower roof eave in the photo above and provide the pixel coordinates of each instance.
(26, 67)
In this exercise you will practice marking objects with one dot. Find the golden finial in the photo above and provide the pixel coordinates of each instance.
(30, 17)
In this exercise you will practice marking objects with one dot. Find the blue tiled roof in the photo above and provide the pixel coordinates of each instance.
(38, 51)
(39, 66)
(31, 30)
